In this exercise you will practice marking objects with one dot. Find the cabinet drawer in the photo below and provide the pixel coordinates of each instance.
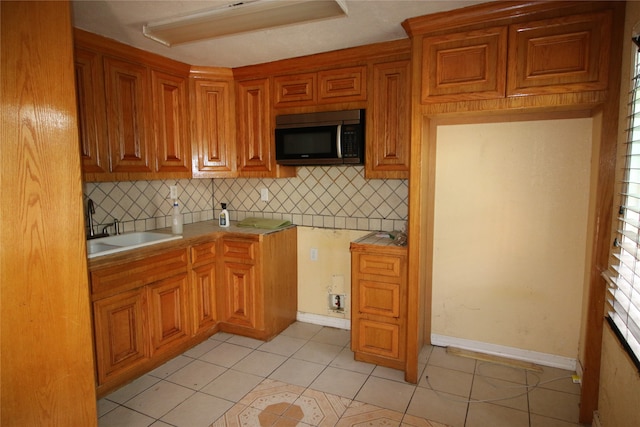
(382, 339)
(382, 265)
(239, 250)
(203, 253)
(111, 280)
(379, 298)
(345, 84)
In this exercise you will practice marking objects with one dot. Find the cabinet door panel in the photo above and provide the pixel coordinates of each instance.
(91, 111)
(126, 88)
(294, 90)
(214, 135)
(379, 298)
(382, 339)
(345, 84)
(203, 291)
(566, 54)
(254, 126)
(240, 298)
(388, 145)
(171, 123)
(168, 312)
(463, 66)
(120, 336)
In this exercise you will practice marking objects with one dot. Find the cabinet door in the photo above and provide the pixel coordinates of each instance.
(388, 145)
(120, 335)
(172, 147)
(91, 112)
(294, 90)
(254, 127)
(127, 94)
(214, 133)
(203, 297)
(342, 85)
(567, 54)
(168, 312)
(464, 66)
(240, 294)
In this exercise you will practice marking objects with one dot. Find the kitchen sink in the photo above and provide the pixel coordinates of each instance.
(124, 242)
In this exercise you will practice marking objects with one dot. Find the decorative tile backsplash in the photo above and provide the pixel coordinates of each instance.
(321, 196)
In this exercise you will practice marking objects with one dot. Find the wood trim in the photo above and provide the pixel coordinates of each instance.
(389, 51)
(602, 223)
(498, 13)
(122, 51)
(46, 344)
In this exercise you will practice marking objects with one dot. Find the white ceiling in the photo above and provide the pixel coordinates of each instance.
(368, 21)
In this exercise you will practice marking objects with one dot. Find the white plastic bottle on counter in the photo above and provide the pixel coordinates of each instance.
(176, 219)
(223, 219)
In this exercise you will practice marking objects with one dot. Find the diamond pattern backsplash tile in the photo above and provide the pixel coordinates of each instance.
(145, 205)
(320, 196)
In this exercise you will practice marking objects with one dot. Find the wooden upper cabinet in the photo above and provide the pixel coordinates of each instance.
(342, 84)
(463, 66)
(127, 99)
(133, 106)
(568, 54)
(254, 126)
(213, 128)
(91, 112)
(256, 152)
(295, 90)
(171, 123)
(388, 139)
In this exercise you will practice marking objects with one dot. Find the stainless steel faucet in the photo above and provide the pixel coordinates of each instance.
(91, 209)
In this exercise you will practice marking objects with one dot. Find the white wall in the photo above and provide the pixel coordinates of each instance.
(510, 233)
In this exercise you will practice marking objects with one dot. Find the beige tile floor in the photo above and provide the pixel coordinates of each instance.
(309, 370)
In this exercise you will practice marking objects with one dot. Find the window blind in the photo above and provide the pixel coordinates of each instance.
(623, 275)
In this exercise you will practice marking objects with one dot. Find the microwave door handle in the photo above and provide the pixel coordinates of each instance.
(338, 142)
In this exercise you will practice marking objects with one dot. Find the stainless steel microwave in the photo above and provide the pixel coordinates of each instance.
(324, 138)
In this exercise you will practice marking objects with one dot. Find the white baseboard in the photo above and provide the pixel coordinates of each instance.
(318, 319)
(543, 359)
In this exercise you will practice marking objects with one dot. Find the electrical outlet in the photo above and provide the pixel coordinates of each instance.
(264, 194)
(173, 192)
(314, 254)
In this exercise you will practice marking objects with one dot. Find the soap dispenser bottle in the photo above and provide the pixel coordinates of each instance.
(176, 219)
(223, 219)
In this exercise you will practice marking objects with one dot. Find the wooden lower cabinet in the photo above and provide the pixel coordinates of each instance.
(204, 311)
(260, 291)
(155, 307)
(379, 304)
(168, 315)
(120, 335)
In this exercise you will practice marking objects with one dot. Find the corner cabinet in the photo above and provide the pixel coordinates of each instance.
(379, 304)
(259, 288)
